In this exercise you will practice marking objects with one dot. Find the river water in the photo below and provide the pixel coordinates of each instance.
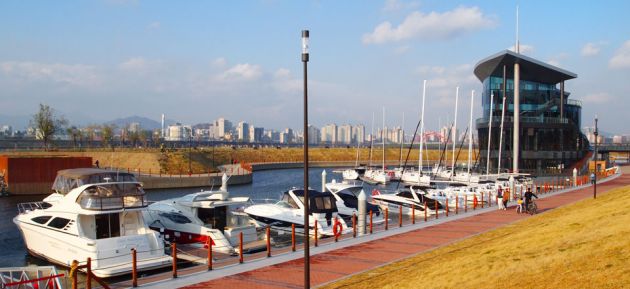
(266, 185)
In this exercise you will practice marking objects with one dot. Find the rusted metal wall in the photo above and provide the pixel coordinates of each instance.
(34, 174)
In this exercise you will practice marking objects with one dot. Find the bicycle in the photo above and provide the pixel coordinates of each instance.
(532, 208)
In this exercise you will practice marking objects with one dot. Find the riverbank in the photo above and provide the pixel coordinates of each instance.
(208, 159)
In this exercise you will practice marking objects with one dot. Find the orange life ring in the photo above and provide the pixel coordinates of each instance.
(337, 228)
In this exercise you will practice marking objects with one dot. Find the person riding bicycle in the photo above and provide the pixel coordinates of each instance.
(528, 198)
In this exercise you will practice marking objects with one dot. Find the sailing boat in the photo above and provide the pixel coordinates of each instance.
(467, 176)
(416, 177)
(356, 172)
(374, 175)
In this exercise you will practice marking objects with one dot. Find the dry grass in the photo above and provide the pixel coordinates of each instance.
(584, 245)
(204, 159)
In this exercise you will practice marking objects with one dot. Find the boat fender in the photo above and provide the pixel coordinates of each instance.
(375, 192)
(337, 228)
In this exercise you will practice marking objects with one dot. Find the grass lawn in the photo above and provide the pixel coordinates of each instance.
(583, 245)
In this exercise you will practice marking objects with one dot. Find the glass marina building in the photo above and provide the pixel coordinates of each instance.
(549, 136)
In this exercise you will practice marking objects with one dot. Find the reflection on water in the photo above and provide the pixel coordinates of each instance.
(266, 185)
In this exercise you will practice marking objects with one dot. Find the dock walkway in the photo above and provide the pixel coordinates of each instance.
(333, 261)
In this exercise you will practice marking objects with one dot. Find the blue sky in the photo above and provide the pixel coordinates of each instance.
(196, 61)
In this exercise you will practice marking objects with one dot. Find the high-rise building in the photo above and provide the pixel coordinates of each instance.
(344, 134)
(358, 133)
(313, 135)
(329, 134)
(222, 126)
(242, 130)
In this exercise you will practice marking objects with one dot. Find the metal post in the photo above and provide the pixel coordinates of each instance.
(354, 225)
(400, 216)
(268, 235)
(174, 261)
(88, 277)
(456, 204)
(362, 199)
(596, 158)
(517, 118)
(447, 206)
(307, 261)
(437, 213)
(386, 218)
(323, 180)
(134, 269)
(293, 237)
(371, 224)
(315, 233)
(240, 247)
(425, 211)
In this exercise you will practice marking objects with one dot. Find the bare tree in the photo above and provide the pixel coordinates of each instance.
(47, 124)
(107, 131)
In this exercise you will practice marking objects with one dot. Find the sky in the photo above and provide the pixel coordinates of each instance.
(196, 61)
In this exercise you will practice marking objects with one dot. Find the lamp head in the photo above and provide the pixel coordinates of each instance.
(305, 45)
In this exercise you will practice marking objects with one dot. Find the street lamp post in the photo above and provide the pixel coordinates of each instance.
(307, 270)
(596, 158)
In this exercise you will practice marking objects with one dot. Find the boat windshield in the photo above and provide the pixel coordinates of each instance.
(64, 183)
(112, 196)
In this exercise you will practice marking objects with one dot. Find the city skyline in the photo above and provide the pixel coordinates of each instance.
(112, 59)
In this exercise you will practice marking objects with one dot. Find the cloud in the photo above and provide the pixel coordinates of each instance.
(621, 59)
(523, 48)
(431, 26)
(590, 49)
(396, 5)
(219, 62)
(442, 81)
(69, 74)
(239, 72)
(402, 49)
(599, 97)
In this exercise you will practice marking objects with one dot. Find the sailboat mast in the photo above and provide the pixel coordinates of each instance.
(489, 132)
(501, 136)
(455, 132)
(402, 139)
(371, 141)
(383, 138)
(470, 140)
(424, 91)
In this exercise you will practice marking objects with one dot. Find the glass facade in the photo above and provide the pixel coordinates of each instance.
(548, 142)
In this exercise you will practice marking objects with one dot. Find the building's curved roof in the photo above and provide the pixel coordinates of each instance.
(531, 69)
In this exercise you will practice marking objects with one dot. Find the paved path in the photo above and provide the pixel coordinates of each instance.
(339, 263)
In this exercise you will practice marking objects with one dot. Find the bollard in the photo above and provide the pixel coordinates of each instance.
(465, 203)
(240, 247)
(88, 277)
(400, 216)
(386, 218)
(134, 269)
(293, 237)
(447, 206)
(209, 253)
(315, 234)
(174, 255)
(354, 225)
(413, 213)
(370, 221)
(268, 234)
(437, 213)
(362, 207)
(456, 204)
(425, 211)
(482, 200)
(73, 274)
(323, 180)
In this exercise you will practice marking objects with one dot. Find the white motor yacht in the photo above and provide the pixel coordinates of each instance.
(407, 198)
(346, 196)
(194, 218)
(94, 219)
(290, 210)
(350, 174)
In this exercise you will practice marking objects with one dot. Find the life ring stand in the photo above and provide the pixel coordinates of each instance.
(337, 228)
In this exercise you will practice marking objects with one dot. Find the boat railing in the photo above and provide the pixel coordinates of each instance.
(31, 206)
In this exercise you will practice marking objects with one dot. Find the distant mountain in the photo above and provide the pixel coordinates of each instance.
(145, 122)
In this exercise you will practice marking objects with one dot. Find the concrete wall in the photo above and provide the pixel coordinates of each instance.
(172, 182)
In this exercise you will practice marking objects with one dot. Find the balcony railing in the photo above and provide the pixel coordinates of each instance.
(525, 119)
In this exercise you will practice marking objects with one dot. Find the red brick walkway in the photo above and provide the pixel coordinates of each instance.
(337, 264)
